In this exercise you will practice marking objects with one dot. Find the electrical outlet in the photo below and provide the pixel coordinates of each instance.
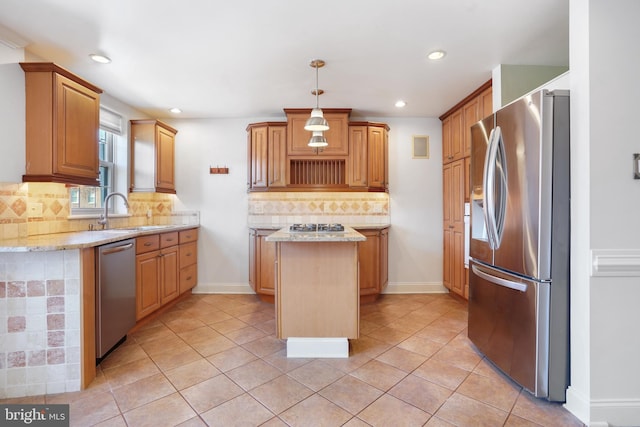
(35, 210)
(149, 213)
(258, 208)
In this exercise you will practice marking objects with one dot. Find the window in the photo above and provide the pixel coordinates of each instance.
(87, 200)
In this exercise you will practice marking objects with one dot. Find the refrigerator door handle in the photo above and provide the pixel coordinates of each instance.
(499, 280)
(489, 177)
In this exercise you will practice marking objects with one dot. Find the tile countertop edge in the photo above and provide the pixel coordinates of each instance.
(81, 239)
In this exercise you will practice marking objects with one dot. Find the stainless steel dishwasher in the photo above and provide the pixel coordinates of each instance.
(115, 294)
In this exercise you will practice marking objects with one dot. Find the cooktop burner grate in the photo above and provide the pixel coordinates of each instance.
(313, 228)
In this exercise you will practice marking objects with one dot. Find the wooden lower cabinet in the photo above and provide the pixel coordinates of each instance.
(373, 261)
(262, 266)
(372, 258)
(163, 265)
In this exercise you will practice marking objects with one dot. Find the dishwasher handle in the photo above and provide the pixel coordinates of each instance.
(117, 249)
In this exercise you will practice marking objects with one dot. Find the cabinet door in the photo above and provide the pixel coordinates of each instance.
(384, 258)
(358, 158)
(486, 103)
(277, 156)
(266, 256)
(446, 140)
(447, 194)
(369, 262)
(471, 114)
(457, 149)
(447, 255)
(259, 149)
(377, 157)
(165, 159)
(337, 135)
(169, 287)
(252, 259)
(77, 122)
(147, 280)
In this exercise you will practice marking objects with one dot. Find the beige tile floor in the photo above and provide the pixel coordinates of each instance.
(214, 360)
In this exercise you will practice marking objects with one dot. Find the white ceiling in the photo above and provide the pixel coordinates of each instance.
(250, 58)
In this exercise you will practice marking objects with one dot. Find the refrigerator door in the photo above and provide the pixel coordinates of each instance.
(526, 169)
(509, 323)
(479, 247)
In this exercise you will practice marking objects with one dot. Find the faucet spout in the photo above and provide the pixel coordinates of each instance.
(104, 217)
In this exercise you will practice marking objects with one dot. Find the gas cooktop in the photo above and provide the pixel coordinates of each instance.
(313, 228)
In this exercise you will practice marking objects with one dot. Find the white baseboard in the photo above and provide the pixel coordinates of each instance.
(318, 347)
(603, 412)
(392, 288)
(415, 288)
(223, 288)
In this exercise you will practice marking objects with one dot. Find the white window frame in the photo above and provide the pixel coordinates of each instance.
(111, 123)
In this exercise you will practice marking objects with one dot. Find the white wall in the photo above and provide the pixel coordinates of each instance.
(12, 112)
(605, 342)
(415, 239)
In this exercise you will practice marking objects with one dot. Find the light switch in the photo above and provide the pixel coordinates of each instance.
(636, 165)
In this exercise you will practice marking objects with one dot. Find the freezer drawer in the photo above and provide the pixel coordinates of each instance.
(509, 323)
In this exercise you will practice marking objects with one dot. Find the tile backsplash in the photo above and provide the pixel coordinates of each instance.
(29, 209)
(282, 208)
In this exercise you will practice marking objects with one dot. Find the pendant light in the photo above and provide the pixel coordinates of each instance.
(317, 122)
(317, 140)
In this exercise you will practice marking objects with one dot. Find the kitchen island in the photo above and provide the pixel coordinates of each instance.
(317, 293)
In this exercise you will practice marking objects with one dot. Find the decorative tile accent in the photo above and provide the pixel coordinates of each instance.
(55, 356)
(16, 359)
(16, 324)
(19, 206)
(35, 288)
(55, 322)
(37, 358)
(16, 289)
(55, 287)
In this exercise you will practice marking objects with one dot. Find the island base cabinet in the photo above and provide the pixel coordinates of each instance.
(317, 290)
(262, 259)
(373, 263)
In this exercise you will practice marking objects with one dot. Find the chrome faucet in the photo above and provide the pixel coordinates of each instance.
(104, 217)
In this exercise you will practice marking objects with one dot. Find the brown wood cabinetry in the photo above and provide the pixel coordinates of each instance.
(267, 152)
(262, 264)
(373, 263)
(62, 122)
(279, 158)
(456, 151)
(166, 266)
(152, 156)
(337, 135)
(368, 160)
(188, 265)
(453, 227)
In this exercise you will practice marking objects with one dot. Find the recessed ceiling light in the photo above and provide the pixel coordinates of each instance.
(400, 103)
(436, 54)
(100, 58)
(176, 110)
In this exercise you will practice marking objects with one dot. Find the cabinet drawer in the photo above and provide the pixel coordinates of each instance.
(188, 277)
(168, 239)
(187, 236)
(188, 254)
(147, 243)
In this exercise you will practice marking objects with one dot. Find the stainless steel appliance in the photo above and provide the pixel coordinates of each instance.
(115, 294)
(313, 228)
(519, 249)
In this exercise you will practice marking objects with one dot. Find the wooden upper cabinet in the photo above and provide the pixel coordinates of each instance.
(486, 103)
(358, 160)
(62, 123)
(152, 156)
(368, 159)
(267, 152)
(378, 159)
(337, 136)
(471, 114)
(452, 148)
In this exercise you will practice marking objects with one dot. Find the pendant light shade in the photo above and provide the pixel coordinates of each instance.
(317, 140)
(316, 122)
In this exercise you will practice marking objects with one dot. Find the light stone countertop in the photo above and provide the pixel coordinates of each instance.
(284, 235)
(83, 239)
(362, 226)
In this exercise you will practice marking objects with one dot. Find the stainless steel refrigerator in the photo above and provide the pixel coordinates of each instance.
(519, 246)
